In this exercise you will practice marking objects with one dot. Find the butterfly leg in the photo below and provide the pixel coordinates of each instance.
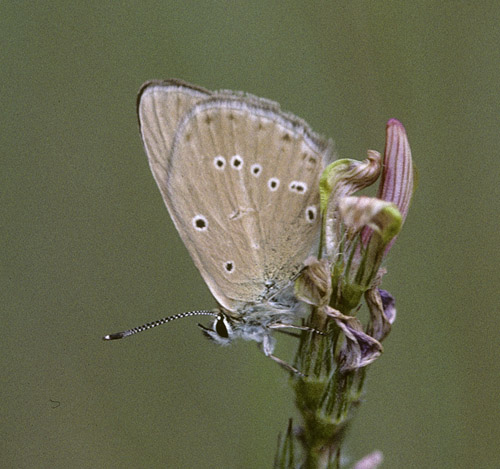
(290, 333)
(268, 348)
(279, 326)
(286, 366)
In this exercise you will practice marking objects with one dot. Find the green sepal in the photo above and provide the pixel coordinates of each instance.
(331, 175)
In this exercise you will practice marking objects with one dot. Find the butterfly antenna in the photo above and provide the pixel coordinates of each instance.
(159, 322)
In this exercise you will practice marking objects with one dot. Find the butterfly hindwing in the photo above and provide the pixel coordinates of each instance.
(242, 188)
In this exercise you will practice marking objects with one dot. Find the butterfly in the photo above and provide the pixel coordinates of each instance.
(240, 180)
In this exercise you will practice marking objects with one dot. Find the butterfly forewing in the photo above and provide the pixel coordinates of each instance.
(161, 105)
(241, 184)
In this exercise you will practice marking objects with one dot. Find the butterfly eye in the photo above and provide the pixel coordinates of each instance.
(220, 327)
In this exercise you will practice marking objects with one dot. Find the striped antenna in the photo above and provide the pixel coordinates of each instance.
(159, 322)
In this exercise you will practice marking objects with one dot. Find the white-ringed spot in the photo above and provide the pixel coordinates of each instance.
(256, 169)
(237, 162)
(229, 267)
(299, 187)
(200, 223)
(219, 163)
(273, 184)
(311, 213)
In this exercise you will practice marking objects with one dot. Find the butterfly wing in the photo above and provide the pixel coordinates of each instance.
(241, 185)
(161, 105)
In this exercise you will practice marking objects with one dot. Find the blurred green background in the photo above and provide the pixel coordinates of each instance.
(88, 247)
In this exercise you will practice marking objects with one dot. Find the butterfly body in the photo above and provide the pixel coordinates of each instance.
(240, 180)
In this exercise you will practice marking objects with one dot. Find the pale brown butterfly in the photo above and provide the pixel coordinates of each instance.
(240, 179)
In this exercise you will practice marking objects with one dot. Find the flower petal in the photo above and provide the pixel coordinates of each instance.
(371, 461)
(381, 216)
(382, 219)
(382, 313)
(314, 285)
(396, 185)
(397, 181)
(359, 349)
(344, 177)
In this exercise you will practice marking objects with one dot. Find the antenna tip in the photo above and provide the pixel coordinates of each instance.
(117, 335)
